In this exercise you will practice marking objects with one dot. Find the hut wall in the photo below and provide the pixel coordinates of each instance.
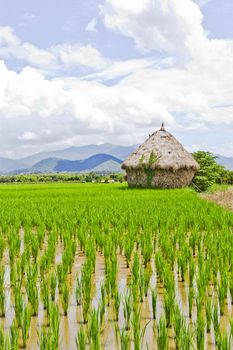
(161, 178)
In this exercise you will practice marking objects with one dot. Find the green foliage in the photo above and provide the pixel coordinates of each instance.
(149, 167)
(210, 172)
(66, 177)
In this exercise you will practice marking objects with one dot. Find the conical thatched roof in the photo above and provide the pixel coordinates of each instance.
(161, 151)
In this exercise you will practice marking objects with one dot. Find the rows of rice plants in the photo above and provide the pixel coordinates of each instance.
(104, 266)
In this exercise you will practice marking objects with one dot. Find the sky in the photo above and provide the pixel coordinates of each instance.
(75, 72)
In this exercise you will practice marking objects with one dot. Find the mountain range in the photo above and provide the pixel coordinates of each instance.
(227, 162)
(106, 157)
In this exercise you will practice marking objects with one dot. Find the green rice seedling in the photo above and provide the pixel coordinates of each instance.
(215, 319)
(186, 338)
(117, 302)
(44, 291)
(14, 336)
(231, 328)
(2, 247)
(2, 292)
(90, 253)
(182, 266)
(2, 339)
(34, 247)
(85, 308)
(12, 273)
(190, 300)
(43, 266)
(53, 285)
(60, 277)
(94, 329)
(128, 249)
(139, 285)
(224, 341)
(54, 323)
(178, 326)
(101, 313)
(127, 310)
(86, 279)
(147, 249)
(191, 273)
(34, 300)
(209, 310)
(78, 291)
(7, 343)
(26, 320)
(199, 304)
(138, 332)
(231, 287)
(133, 289)
(162, 334)
(168, 307)
(102, 291)
(124, 340)
(44, 339)
(65, 298)
(222, 291)
(113, 274)
(107, 286)
(200, 333)
(18, 305)
(135, 269)
(146, 277)
(154, 302)
(136, 329)
(81, 339)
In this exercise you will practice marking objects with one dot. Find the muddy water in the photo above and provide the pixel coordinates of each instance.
(69, 325)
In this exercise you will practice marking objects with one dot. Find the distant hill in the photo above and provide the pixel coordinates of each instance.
(72, 153)
(98, 162)
(108, 166)
(81, 152)
(227, 162)
(7, 165)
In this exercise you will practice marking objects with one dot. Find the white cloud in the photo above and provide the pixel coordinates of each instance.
(28, 136)
(173, 26)
(28, 16)
(91, 26)
(73, 55)
(63, 56)
(196, 95)
(69, 109)
(7, 37)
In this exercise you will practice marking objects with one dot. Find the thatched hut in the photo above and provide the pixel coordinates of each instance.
(160, 162)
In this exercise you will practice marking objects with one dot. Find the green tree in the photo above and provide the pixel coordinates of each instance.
(209, 173)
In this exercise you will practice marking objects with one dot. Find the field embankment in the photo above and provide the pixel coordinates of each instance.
(223, 198)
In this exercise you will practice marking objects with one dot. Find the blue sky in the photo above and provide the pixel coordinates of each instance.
(79, 72)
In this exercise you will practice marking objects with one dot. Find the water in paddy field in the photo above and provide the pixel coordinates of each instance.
(70, 324)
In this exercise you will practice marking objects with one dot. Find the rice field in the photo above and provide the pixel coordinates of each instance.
(95, 266)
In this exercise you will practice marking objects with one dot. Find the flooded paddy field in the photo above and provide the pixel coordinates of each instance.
(105, 267)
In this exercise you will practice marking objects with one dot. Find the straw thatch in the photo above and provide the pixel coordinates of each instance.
(161, 161)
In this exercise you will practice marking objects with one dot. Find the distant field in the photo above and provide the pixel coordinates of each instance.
(93, 266)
